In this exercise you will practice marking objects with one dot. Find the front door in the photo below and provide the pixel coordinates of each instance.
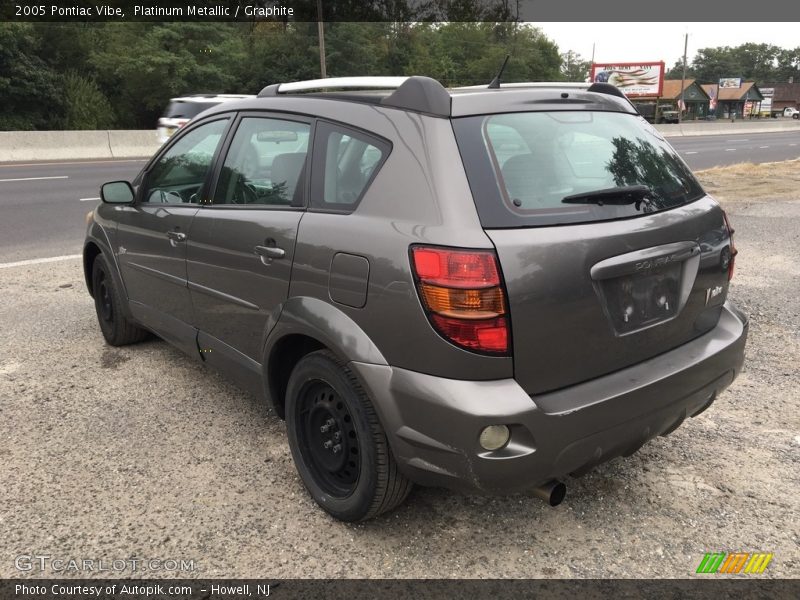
(241, 247)
(152, 233)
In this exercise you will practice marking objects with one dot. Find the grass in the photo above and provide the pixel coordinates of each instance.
(753, 182)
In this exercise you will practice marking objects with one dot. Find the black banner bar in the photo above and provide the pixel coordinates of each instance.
(744, 588)
(394, 10)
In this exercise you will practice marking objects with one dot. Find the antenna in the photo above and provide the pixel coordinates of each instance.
(495, 84)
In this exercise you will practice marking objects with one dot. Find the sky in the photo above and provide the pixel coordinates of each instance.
(649, 42)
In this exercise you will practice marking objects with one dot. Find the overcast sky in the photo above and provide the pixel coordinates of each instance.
(633, 42)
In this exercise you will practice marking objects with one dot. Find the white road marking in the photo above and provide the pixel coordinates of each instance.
(75, 162)
(87, 199)
(36, 178)
(793, 144)
(730, 149)
(763, 146)
(36, 261)
(693, 152)
(739, 140)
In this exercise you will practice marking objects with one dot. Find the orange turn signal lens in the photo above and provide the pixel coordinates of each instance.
(484, 303)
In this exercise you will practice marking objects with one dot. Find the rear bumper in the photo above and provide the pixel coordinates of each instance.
(433, 423)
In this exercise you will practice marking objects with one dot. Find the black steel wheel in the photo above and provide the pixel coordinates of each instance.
(337, 442)
(327, 438)
(117, 329)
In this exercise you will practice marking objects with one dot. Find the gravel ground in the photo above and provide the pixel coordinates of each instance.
(139, 452)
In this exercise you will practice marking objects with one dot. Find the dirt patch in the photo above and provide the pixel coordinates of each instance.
(111, 359)
(753, 182)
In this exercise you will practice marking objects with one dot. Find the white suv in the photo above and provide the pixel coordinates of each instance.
(182, 110)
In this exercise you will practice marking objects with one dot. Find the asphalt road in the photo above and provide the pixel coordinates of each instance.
(43, 204)
(703, 152)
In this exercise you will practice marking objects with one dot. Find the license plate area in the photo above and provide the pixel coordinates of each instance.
(639, 300)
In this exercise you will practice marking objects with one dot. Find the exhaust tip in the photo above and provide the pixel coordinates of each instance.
(552, 492)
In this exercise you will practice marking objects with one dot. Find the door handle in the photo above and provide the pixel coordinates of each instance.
(270, 252)
(175, 238)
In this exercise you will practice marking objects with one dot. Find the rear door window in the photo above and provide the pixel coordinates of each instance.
(181, 109)
(541, 168)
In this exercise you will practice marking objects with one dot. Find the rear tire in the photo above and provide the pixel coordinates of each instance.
(117, 329)
(339, 447)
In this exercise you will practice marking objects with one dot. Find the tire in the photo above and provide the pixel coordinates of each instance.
(116, 328)
(796, 116)
(325, 407)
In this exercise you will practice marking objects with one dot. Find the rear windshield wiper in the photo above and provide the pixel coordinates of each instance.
(624, 194)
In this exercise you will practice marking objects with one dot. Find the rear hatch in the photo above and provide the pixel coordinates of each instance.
(610, 250)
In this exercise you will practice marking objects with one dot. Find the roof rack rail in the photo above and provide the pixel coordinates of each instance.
(527, 84)
(420, 94)
(339, 83)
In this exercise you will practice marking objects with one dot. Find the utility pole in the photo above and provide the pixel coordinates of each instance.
(321, 34)
(683, 79)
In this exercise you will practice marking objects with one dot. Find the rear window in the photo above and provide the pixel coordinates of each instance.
(186, 110)
(545, 168)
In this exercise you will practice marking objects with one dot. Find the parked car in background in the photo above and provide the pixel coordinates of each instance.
(789, 111)
(480, 289)
(181, 110)
(668, 116)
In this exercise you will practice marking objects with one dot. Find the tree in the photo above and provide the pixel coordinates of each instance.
(573, 67)
(86, 107)
(29, 89)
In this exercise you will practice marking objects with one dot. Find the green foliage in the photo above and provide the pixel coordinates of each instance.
(574, 68)
(762, 63)
(76, 75)
(125, 73)
(86, 107)
(29, 87)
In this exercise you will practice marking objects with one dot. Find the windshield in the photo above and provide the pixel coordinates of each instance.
(186, 110)
(521, 166)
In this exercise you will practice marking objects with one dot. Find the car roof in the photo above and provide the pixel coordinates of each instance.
(428, 96)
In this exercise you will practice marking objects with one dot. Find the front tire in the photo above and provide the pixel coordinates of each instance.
(338, 445)
(117, 329)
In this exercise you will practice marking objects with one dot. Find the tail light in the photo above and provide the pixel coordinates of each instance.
(463, 296)
(734, 251)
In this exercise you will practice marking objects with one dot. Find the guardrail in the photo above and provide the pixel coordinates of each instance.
(65, 145)
(728, 127)
(18, 146)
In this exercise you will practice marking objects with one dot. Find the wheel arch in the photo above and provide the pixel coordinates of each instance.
(95, 246)
(305, 325)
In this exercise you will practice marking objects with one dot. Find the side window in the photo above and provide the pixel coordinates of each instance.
(265, 163)
(345, 162)
(179, 174)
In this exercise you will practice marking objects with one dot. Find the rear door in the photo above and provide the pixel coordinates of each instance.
(242, 245)
(152, 232)
(596, 282)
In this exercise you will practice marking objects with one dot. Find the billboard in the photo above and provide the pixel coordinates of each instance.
(730, 82)
(633, 79)
(766, 103)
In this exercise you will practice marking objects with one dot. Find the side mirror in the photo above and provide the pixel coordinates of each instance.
(116, 192)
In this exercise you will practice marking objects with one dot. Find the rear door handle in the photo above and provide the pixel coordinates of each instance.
(270, 252)
(176, 236)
